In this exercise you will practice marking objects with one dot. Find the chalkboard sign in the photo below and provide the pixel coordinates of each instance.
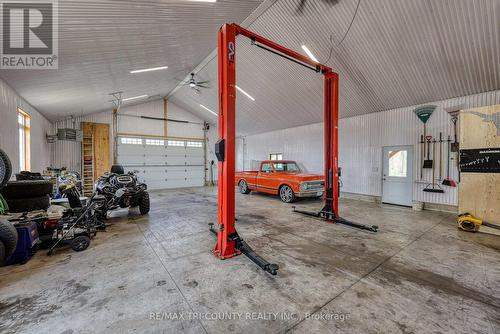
(482, 160)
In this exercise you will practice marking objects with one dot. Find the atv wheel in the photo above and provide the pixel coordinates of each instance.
(5, 168)
(28, 204)
(27, 188)
(144, 203)
(80, 243)
(8, 237)
(244, 187)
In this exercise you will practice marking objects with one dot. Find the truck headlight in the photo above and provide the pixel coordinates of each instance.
(304, 186)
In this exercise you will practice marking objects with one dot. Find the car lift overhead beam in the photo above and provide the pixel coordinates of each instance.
(229, 244)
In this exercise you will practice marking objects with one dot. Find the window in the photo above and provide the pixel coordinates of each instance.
(194, 144)
(131, 141)
(23, 123)
(276, 156)
(175, 143)
(267, 168)
(286, 167)
(398, 163)
(155, 142)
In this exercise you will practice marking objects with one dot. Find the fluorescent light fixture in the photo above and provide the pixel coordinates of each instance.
(134, 98)
(309, 53)
(210, 111)
(247, 95)
(149, 69)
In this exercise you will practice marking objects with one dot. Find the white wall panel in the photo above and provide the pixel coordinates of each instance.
(9, 141)
(68, 154)
(361, 139)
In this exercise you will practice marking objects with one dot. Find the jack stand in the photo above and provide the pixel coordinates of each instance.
(244, 248)
(330, 216)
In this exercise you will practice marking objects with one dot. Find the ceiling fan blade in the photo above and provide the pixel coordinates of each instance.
(202, 82)
(202, 86)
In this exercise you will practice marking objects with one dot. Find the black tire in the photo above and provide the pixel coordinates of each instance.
(5, 168)
(144, 204)
(28, 204)
(117, 169)
(286, 194)
(2, 253)
(27, 188)
(80, 243)
(244, 187)
(8, 237)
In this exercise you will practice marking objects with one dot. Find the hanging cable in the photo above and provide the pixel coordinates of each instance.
(350, 25)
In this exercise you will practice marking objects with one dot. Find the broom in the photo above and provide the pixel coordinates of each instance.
(449, 181)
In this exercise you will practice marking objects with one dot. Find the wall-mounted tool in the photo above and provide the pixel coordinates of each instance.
(433, 187)
(428, 163)
(469, 223)
(424, 113)
(422, 156)
(448, 181)
(454, 119)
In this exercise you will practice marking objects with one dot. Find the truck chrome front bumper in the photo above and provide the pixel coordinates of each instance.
(310, 193)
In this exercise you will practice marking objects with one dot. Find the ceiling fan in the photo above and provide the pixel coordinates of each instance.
(194, 84)
(302, 4)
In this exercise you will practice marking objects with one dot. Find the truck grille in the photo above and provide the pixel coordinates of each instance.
(315, 185)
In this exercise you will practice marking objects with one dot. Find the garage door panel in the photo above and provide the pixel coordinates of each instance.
(162, 167)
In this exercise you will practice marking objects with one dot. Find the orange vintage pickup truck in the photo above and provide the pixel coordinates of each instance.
(283, 178)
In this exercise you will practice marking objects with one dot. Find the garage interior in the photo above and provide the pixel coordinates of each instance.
(365, 205)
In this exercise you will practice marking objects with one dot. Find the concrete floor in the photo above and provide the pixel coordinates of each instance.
(155, 274)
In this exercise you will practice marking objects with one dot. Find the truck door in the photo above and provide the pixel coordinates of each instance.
(265, 178)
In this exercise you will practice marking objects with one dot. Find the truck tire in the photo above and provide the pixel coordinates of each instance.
(244, 187)
(2, 253)
(286, 194)
(144, 203)
(28, 204)
(5, 168)
(8, 237)
(27, 188)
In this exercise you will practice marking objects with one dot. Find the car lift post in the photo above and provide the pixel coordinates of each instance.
(229, 244)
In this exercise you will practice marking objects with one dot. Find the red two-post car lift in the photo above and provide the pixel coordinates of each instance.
(229, 244)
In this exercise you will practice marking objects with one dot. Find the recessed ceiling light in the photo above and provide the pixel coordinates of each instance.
(247, 95)
(149, 69)
(134, 98)
(201, 105)
(309, 53)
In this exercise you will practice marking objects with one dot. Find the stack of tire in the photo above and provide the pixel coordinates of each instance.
(8, 233)
(27, 195)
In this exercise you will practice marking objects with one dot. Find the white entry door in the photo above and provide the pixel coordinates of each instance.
(397, 180)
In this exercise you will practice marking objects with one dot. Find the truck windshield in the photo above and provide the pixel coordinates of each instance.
(286, 167)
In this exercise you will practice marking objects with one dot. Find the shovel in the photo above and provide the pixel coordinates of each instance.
(428, 163)
(449, 181)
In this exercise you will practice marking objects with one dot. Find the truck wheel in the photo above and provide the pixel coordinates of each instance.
(8, 237)
(27, 188)
(144, 203)
(286, 194)
(28, 204)
(5, 168)
(244, 187)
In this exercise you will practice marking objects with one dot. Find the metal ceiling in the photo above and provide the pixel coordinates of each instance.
(397, 53)
(100, 41)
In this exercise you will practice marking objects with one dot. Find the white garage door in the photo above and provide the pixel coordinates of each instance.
(162, 163)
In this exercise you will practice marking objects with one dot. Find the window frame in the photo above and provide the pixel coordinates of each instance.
(24, 138)
(278, 156)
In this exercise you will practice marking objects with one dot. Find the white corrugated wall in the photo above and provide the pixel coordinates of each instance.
(360, 145)
(68, 154)
(9, 139)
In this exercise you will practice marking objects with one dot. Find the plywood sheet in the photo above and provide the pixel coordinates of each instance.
(479, 194)
(101, 149)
